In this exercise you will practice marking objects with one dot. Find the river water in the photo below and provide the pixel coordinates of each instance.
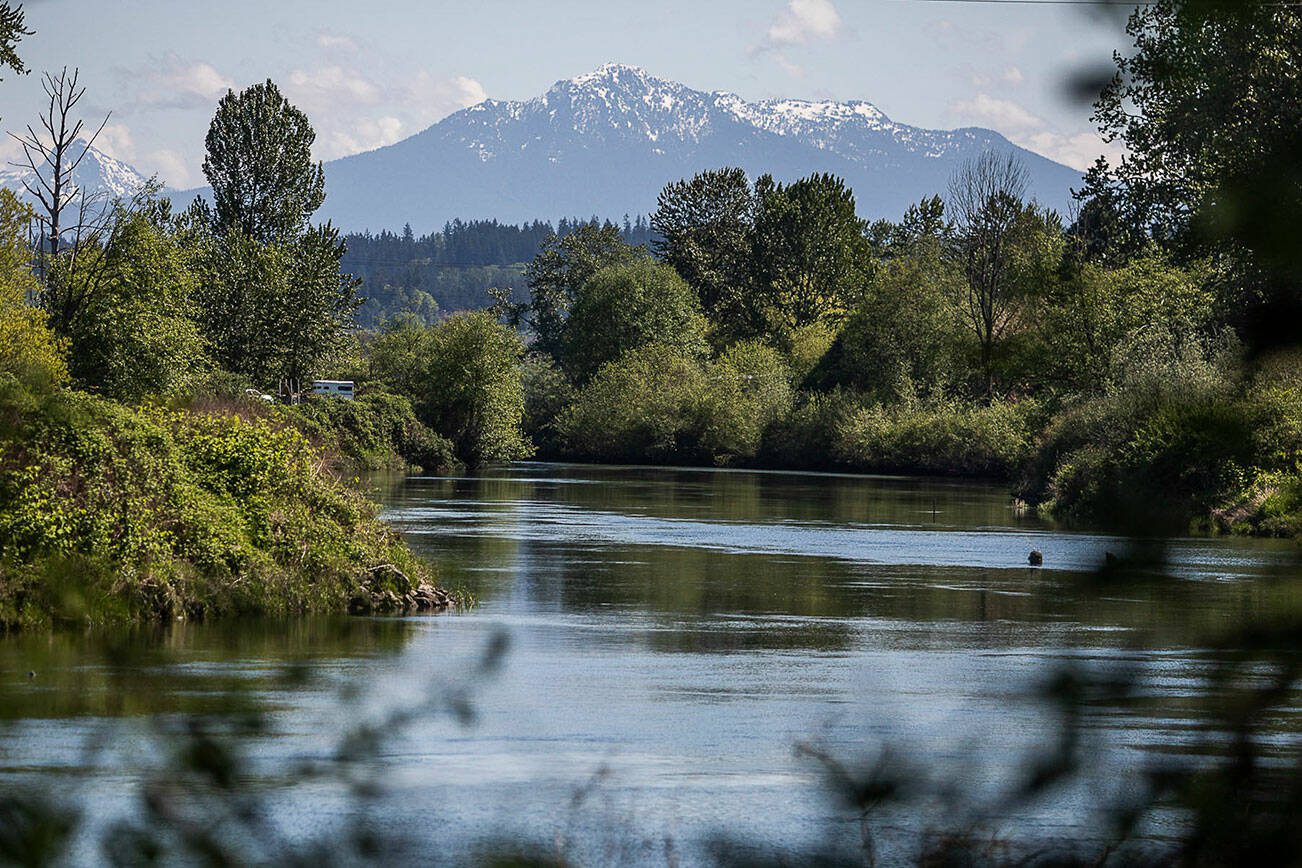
(656, 662)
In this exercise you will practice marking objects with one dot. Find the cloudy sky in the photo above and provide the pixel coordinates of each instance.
(369, 74)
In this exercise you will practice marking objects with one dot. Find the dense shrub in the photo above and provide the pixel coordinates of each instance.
(547, 392)
(29, 351)
(1178, 437)
(807, 437)
(658, 404)
(463, 379)
(109, 512)
(472, 393)
(748, 391)
(940, 437)
(644, 407)
(375, 430)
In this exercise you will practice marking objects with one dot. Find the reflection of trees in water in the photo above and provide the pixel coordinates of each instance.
(131, 671)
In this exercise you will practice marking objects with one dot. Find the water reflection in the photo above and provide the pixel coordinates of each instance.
(674, 635)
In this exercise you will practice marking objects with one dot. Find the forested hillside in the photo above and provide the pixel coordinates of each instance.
(454, 269)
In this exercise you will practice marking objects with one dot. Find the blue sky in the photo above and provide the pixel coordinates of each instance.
(369, 74)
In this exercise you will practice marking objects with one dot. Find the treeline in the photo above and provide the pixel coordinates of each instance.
(456, 268)
(1133, 366)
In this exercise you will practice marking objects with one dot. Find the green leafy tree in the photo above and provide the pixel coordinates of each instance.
(810, 252)
(907, 335)
(259, 164)
(558, 271)
(472, 392)
(138, 335)
(397, 354)
(645, 406)
(623, 307)
(705, 228)
(748, 390)
(274, 302)
(1209, 106)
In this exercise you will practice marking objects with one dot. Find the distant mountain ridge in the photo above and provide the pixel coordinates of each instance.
(605, 143)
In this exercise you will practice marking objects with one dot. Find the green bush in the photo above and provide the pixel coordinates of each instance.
(472, 392)
(109, 512)
(748, 391)
(1176, 439)
(547, 392)
(376, 430)
(644, 407)
(940, 437)
(807, 437)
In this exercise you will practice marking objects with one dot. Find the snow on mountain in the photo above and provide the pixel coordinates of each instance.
(605, 143)
(97, 174)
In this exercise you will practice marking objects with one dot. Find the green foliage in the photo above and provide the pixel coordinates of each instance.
(657, 403)
(623, 307)
(112, 513)
(646, 406)
(469, 388)
(547, 392)
(259, 164)
(274, 310)
(705, 227)
(1209, 105)
(748, 390)
(137, 335)
(12, 29)
(940, 437)
(30, 353)
(560, 269)
(374, 431)
(810, 256)
(907, 334)
(1173, 440)
(1095, 319)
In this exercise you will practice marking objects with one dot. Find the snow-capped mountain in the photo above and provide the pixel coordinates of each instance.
(607, 142)
(97, 174)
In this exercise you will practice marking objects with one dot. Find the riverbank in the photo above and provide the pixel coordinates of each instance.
(114, 513)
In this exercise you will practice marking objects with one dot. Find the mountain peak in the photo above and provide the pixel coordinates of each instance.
(612, 72)
(97, 174)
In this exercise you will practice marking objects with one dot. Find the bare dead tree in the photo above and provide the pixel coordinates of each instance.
(985, 200)
(70, 221)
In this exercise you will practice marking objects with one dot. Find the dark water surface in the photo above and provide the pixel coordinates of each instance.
(672, 637)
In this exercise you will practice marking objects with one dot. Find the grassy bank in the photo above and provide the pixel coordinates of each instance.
(114, 513)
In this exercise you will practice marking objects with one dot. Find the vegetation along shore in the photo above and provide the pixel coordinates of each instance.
(1129, 364)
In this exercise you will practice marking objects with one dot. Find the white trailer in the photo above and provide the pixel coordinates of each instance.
(333, 389)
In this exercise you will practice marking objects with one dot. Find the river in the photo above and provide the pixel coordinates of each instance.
(657, 659)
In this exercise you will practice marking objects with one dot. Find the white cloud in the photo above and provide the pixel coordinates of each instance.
(803, 22)
(331, 87)
(172, 168)
(337, 42)
(1002, 114)
(116, 141)
(800, 23)
(176, 83)
(1013, 75)
(353, 112)
(1027, 129)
